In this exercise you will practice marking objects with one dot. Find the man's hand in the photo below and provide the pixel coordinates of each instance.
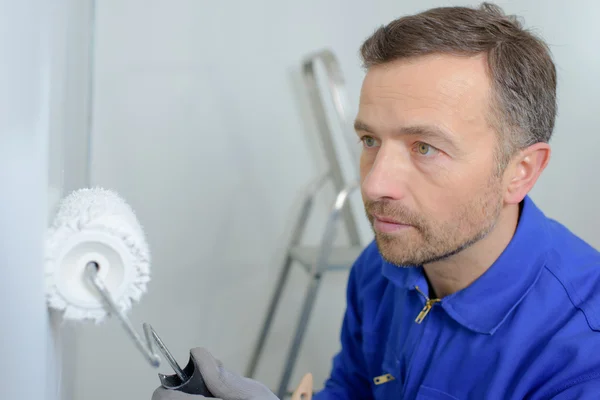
(304, 389)
(221, 382)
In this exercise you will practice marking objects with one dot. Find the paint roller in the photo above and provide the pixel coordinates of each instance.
(97, 264)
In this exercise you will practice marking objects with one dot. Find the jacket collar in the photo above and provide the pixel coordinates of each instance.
(485, 304)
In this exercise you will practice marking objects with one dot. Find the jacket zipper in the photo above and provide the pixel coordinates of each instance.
(380, 380)
(428, 305)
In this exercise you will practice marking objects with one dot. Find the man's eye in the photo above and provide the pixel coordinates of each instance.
(425, 149)
(368, 141)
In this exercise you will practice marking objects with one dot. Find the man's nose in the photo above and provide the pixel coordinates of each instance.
(386, 176)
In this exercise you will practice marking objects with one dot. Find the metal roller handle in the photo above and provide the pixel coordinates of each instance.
(147, 347)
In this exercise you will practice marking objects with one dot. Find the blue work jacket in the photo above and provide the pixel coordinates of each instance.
(528, 328)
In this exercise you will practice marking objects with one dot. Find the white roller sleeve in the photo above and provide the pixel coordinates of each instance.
(95, 225)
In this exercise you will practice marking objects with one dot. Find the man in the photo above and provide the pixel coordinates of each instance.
(469, 291)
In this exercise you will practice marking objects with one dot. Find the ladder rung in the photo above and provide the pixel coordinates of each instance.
(341, 258)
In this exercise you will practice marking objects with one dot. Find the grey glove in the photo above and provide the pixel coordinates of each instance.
(222, 383)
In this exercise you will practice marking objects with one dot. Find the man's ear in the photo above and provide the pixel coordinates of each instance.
(524, 171)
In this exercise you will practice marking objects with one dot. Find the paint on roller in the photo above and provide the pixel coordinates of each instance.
(95, 225)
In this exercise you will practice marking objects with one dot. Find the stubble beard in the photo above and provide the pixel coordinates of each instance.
(427, 241)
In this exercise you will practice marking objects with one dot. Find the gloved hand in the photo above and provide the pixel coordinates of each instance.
(222, 383)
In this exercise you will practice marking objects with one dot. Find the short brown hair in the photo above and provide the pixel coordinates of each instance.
(520, 65)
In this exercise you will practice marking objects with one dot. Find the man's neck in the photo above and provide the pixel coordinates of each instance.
(459, 271)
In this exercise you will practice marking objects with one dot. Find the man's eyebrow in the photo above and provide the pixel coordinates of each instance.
(423, 131)
(361, 126)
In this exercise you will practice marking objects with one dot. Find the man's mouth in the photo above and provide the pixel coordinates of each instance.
(385, 224)
(387, 219)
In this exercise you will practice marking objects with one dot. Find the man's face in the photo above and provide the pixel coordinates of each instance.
(428, 166)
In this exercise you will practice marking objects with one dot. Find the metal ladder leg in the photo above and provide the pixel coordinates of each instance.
(338, 95)
(316, 273)
(317, 268)
(310, 192)
(283, 275)
(301, 326)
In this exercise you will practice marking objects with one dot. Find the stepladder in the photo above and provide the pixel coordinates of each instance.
(326, 256)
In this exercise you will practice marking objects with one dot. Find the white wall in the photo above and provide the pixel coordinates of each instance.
(199, 123)
(43, 154)
(68, 166)
(25, 81)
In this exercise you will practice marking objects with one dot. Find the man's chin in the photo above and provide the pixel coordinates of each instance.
(396, 251)
(400, 238)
